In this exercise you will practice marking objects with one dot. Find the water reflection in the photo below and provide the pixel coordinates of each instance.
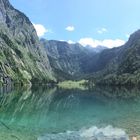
(39, 110)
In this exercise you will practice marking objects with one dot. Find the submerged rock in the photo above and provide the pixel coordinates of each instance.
(93, 133)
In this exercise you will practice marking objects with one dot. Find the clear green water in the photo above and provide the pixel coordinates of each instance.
(40, 113)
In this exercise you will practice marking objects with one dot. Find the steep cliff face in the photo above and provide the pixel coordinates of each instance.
(68, 60)
(22, 58)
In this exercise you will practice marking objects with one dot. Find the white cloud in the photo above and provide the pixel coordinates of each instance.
(70, 28)
(107, 42)
(71, 42)
(102, 30)
(40, 29)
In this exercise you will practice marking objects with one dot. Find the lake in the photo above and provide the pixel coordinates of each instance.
(46, 113)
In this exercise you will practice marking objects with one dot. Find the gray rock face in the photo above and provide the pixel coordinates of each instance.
(22, 58)
(69, 59)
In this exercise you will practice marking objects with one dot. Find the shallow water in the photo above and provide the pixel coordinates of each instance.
(51, 113)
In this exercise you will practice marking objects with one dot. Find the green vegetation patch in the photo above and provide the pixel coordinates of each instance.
(73, 84)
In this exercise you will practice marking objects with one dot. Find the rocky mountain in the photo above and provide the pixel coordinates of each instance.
(97, 49)
(68, 60)
(25, 59)
(120, 66)
(109, 66)
(22, 58)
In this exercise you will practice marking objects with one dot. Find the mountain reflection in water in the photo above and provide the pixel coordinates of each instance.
(44, 111)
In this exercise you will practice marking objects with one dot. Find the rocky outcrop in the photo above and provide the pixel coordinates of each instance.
(22, 57)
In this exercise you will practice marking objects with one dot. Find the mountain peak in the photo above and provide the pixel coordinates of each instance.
(97, 49)
(133, 38)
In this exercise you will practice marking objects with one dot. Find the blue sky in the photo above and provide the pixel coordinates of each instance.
(93, 22)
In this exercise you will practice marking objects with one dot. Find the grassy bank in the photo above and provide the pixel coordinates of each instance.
(73, 84)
